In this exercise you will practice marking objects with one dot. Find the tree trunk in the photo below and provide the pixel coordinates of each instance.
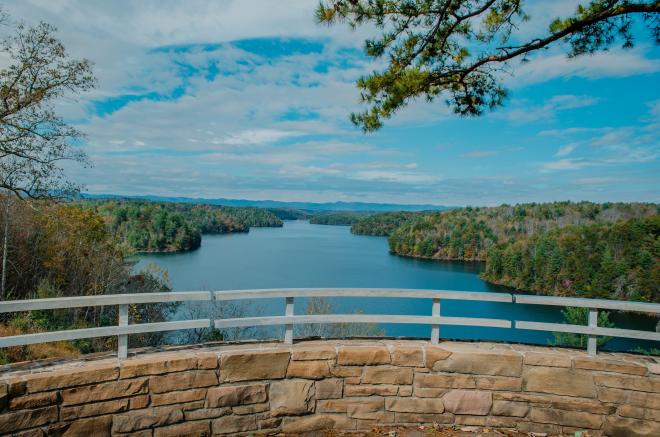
(5, 244)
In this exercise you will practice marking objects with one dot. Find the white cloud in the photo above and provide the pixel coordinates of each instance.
(614, 63)
(521, 111)
(566, 149)
(564, 164)
(276, 127)
(257, 136)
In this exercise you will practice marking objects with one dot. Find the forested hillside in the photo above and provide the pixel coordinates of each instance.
(469, 233)
(337, 218)
(605, 260)
(65, 250)
(170, 227)
(382, 224)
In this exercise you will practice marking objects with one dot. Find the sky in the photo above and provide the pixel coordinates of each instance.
(250, 99)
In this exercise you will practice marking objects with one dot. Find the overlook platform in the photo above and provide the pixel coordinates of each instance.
(313, 386)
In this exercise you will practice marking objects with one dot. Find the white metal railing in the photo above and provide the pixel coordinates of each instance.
(289, 319)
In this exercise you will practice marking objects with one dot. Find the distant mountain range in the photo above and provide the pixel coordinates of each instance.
(306, 206)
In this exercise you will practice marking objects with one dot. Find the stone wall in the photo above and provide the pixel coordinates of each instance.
(311, 386)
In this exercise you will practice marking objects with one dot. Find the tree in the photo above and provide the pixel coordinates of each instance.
(460, 48)
(33, 138)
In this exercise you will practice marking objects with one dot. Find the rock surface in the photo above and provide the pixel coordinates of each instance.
(312, 387)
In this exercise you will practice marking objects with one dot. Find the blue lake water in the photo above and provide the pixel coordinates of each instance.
(304, 255)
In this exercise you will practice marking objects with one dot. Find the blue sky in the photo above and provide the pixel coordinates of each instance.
(244, 99)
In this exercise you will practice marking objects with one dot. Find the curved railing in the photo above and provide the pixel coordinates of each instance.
(123, 328)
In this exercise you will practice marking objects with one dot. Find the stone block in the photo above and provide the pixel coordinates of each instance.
(137, 402)
(94, 409)
(510, 408)
(253, 366)
(368, 409)
(308, 369)
(371, 390)
(317, 422)
(652, 414)
(250, 409)
(178, 397)
(387, 375)
(363, 355)
(94, 426)
(148, 418)
(482, 363)
(547, 359)
(197, 429)
(565, 418)
(183, 380)
(291, 397)
(408, 356)
(421, 392)
(477, 403)
(560, 402)
(605, 365)
(4, 395)
(156, 365)
(332, 405)
(559, 381)
(24, 419)
(629, 382)
(419, 418)
(90, 374)
(331, 388)
(638, 398)
(405, 390)
(502, 421)
(540, 428)
(428, 380)
(414, 405)
(207, 360)
(578, 404)
(433, 354)
(497, 383)
(269, 423)
(630, 411)
(206, 413)
(313, 353)
(234, 424)
(236, 395)
(621, 426)
(33, 401)
(467, 420)
(104, 391)
(346, 372)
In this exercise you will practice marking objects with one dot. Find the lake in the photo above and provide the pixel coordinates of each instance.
(301, 254)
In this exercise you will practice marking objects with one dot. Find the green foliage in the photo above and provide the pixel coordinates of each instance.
(470, 233)
(337, 218)
(607, 260)
(382, 224)
(62, 251)
(640, 350)
(580, 316)
(147, 226)
(459, 49)
(289, 213)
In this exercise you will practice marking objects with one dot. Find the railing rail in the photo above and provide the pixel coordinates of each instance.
(289, 319)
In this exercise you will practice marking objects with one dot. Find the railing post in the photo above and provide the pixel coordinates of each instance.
(592, 342)
(435, 329)
(288, 333)
(122, 340)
